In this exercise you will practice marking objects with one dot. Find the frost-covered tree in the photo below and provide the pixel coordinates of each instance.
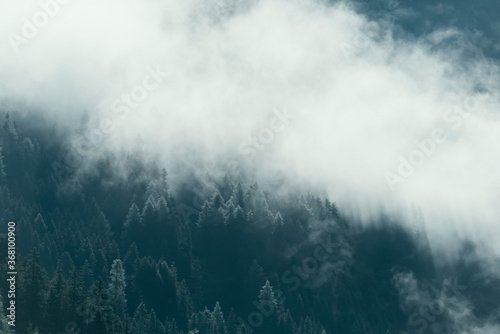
(266, 295)
(217, 322)
(141, 322)
(116, 289)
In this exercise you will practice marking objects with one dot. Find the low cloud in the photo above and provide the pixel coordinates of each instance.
(361, 98)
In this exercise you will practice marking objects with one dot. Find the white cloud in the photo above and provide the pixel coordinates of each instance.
(359, 102)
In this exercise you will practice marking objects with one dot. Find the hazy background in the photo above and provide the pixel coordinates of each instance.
(362, 82)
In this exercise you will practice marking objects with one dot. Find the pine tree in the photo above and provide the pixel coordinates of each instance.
(132, 225)
(32, 292)
(131, 260)
(156, 326)
(266, 295)
(101, 310)
(149, 213)
(279, 234)
(100, 225)
(4, 326)
(164, 186)
(98, 325)
(2, 168)
(257, 202)
(76, 294)
(286, 322)
(278, 221)
(238, 196)
(226, 188)
(202, 321)
(65, 264)
(217, 322)
(141, 322)
(228, 212)
(239, 215)
(172, 328)
(255, 278)
(163, 209)
(130, 265)
(116, 288)
(40, 226)
(152, 193)
(217, 200)
(10, 135)
(331, 209)
(101, 269)
(250, 219)
(58, 301)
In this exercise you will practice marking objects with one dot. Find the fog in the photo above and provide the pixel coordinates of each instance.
(306, 91)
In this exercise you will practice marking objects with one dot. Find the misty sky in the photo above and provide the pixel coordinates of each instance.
(338, 96)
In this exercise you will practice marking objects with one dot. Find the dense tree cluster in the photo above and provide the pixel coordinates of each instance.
(108, 255)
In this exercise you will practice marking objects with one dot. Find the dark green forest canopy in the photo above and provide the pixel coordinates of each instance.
(132, 256)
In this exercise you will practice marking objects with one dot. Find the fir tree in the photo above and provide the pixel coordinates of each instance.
(164, 186)
(58, 303)
(76, 294)
(101, 310)
(65, 264)
(238, 196)
(266, 295)
(32, 292)
(156, 326)
(116, 288)
(255, 278)
(141, 322)
(4, 326)
(132, 225)
(217, 322)
(40, 226)
(2, 168)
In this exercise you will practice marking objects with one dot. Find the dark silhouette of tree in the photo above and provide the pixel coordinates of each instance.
(65, 264)
(101, 310)
(217, 322)
(4, 327)
(132, 225)
(238, 195)
(141, 322)
(33, 285)
(2, 168)
(246, 248)
(76, 294)
(58, 302)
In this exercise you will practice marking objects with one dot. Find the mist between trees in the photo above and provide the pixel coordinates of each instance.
(105, 253)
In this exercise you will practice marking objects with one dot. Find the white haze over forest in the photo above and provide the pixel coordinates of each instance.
(360, 98)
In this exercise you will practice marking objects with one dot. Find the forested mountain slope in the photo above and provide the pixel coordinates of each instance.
(106, 254)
